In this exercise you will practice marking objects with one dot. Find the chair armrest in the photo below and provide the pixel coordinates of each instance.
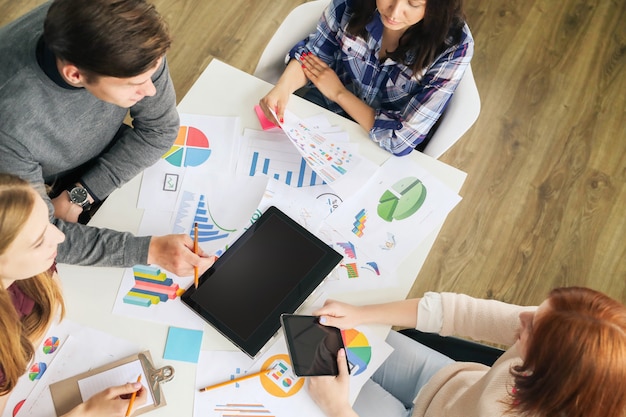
(460, 350)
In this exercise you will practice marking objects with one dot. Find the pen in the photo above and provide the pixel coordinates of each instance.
(132, 398)
(248, 376)
(195, 250)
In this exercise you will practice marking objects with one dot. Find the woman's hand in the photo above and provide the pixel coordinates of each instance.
(332, 394)
(338, 314)
(322, 76)
(112, 402)
(276, 100)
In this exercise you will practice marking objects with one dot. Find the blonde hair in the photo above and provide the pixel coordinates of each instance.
(17, 199)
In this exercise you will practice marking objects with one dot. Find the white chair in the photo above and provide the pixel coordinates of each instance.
(460, 115)
(462, 110)
(298, 24)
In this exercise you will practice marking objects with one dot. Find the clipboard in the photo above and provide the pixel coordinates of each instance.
(66, 393)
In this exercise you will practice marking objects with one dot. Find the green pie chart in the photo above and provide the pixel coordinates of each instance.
(402, 199)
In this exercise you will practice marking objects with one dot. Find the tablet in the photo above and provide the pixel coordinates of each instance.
(312, 346)
(269, 270)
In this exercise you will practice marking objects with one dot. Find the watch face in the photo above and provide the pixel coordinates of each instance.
(78, 195)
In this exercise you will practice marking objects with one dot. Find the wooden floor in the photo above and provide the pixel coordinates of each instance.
(544, 204)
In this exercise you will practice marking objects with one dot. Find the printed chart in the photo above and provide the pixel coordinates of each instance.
(50, 345)
(37, 370)
(151, 287)
(193, 208)
(250, 410)
(358, 350)
(191, 148)
(281, 382)
(330, 159)
(402, 199)
(272, 154)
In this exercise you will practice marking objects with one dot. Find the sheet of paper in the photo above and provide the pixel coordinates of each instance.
(398, 207)
(120, 375)
(279, 393)
(205, 144)
(272, 154)
(77, 342)
(222, 206)
(150, 293)
(329, 159)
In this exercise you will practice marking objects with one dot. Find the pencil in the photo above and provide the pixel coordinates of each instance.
(132, 399)
(195, 250)
(248, 376)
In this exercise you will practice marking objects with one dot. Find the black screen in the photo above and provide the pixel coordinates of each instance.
(269, 270)
(312, 347)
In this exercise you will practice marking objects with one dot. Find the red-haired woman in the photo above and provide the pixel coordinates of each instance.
(30, 297)
(567, 358)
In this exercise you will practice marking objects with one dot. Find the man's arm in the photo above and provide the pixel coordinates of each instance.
(86, 245)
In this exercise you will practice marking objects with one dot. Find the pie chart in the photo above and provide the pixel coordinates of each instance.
(190, 149)
(402, 199)
(36, 371)
(358, 350)
(50, 345)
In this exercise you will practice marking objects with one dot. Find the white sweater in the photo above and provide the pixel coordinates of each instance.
(465, 389)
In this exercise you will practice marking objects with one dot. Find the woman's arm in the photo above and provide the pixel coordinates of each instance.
(329, 84)
(276, 100)
(111, 402)
(346, 316)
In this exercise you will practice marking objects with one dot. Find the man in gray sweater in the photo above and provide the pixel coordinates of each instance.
(70, 72)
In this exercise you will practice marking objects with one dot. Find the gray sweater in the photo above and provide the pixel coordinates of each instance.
(47, 130)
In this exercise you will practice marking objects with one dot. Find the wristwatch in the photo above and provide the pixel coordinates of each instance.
(79, 196)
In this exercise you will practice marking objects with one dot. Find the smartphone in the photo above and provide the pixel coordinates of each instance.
(312, 346)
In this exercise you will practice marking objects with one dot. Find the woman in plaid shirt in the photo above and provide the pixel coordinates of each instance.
(390, 65)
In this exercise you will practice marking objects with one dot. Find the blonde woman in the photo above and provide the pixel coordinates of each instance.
(30, 297)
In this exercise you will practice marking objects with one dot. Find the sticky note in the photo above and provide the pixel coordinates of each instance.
(183, 344)
(265, 123)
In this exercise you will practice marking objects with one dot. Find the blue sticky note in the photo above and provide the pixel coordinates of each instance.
(183, 344)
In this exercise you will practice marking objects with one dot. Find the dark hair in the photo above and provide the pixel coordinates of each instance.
(115, 38)
(576, 359)
(441, 27)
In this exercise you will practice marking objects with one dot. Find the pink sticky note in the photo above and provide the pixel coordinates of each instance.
(265, 123)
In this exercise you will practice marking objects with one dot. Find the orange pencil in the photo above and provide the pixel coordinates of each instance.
(248, 376)
(132, 399)
(195, 250)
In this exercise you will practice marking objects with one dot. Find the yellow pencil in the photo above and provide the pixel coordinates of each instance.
(195, 250)
(248, 376)
(132, 398)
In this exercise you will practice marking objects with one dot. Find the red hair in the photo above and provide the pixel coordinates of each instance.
(576, 360)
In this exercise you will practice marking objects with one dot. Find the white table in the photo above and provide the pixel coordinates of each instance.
(221, 90)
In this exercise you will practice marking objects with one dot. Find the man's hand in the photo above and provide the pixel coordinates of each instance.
(175, 253)
(64, 209)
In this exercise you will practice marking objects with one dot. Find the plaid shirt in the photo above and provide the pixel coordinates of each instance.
(407, 106)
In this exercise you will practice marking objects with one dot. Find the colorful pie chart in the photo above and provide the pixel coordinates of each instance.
(402, 200)
(358, 350)
(190, 149)
(36, 371)
(50, 345)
